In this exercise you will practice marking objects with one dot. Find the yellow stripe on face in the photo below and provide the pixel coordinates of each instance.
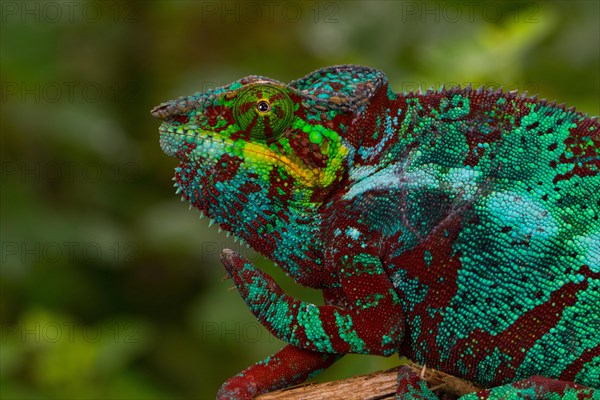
(257, 152)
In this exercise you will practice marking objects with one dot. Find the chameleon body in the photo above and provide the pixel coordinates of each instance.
(457, 227)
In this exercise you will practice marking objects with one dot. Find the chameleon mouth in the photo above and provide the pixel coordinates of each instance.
(173, 138)
(209, 146)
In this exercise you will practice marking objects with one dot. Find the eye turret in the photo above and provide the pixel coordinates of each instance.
(264, 110)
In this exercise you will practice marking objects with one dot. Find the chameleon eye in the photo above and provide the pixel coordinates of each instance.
(264, 110)
(263, 106)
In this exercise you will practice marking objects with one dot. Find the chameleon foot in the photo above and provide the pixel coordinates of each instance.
(536, 388)
(412, 387)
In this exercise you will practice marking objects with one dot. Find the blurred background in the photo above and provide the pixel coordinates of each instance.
(110, 287)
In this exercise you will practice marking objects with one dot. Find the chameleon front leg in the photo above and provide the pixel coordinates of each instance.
(357, 328)
(290, 366)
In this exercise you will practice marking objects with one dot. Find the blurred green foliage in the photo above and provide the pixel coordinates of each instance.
(110, 287)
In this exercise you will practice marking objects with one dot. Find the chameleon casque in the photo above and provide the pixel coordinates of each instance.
(457, 227)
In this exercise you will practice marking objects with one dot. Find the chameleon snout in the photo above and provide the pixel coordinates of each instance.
(173, 108)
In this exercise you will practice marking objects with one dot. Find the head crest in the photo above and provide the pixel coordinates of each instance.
(342, 86)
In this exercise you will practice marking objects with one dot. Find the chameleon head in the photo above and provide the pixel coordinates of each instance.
(258, 125)
(258, 143)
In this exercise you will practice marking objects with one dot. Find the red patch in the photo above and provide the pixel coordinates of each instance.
(181, 119)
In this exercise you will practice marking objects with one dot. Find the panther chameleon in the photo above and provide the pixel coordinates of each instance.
(458, 227)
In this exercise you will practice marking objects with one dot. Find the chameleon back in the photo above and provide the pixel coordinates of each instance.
(490, 205)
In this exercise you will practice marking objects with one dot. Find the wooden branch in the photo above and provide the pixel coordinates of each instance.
(376, 386)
